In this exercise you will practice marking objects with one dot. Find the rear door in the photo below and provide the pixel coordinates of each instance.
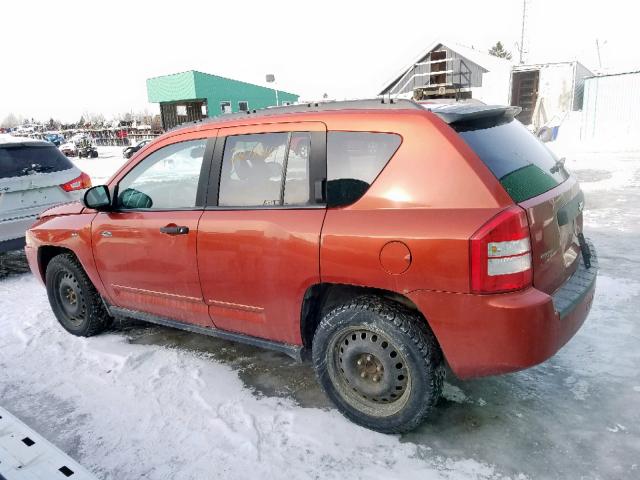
(259, 237)
(536, 180)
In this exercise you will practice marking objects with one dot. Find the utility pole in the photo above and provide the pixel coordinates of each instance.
(522, 31)
(271, 78)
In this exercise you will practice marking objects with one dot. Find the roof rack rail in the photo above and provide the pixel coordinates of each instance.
(367, 104)
(449, 112)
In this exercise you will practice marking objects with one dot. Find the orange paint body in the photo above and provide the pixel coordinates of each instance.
(247, 270)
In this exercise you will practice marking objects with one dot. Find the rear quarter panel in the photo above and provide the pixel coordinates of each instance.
(431, 196)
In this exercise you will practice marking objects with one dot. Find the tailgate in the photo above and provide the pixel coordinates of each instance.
(31, 194)
(555, 220)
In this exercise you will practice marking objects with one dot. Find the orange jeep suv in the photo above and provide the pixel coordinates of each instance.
(376, 238)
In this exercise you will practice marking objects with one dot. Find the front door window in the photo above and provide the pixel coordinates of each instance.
(167, 179)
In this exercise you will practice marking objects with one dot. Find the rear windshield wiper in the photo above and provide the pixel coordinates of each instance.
(559, 165)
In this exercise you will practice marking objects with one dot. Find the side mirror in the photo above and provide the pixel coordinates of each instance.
(98, 198)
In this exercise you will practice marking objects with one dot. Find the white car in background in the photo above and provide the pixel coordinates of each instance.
(34, 176)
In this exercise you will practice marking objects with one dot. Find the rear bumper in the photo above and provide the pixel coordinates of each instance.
(493, 334)
(15, 228)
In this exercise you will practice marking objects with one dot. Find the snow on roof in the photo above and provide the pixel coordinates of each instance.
(489, 62)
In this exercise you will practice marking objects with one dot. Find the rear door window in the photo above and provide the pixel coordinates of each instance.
(524, 166)
(265, 170)
(21, 160)
(354, 160)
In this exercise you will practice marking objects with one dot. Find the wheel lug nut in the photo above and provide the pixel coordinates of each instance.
(379, 368)
(359, 362)
(375, 378)
(368, 358)
(363, 374)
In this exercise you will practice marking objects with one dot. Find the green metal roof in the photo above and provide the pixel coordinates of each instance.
(191, 85)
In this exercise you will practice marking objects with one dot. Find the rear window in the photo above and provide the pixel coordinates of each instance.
(354, 160)
(523, 164)
(21, 160)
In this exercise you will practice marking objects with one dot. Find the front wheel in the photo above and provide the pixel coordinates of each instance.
(379, 363)
(73, 298)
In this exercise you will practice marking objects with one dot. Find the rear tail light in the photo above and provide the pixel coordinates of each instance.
(500, 254)
(79, 183)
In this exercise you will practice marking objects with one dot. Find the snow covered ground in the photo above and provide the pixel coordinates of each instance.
(149, 402)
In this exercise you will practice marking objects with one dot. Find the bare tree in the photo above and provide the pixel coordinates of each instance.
(11, 121)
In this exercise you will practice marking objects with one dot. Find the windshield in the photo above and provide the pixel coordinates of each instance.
(20, 160)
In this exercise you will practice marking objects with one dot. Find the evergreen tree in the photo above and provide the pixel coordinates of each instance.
(499, 51)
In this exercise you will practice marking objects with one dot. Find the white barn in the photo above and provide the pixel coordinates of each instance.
(448, 70)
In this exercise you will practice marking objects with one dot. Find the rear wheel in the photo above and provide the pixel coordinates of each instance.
(73, 298)
(379, 363)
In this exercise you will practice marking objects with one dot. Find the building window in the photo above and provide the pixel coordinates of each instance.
(203, 109)
(225, 107)
(181, 110)
(284, 104)
(243, 106)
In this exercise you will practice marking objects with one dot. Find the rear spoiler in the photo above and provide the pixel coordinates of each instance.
(465, 113)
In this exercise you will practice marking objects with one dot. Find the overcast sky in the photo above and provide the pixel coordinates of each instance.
(59, 59)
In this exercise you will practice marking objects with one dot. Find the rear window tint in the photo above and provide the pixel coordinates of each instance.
(21, 160)
(354, 160)
(523, 164)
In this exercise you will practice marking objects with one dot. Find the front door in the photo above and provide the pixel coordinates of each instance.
(145, 250)
(259, 238)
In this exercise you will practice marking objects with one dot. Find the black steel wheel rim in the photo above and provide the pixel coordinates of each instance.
(369, 371)
(70, 299)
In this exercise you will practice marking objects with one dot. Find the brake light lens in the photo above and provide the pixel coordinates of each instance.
(79, 183)
(500, 253)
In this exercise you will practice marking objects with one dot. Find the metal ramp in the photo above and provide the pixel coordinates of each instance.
(25, 455)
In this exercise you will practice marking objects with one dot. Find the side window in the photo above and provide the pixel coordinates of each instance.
(266, 169)
(354, 160)
(168, 178)
(296, 185)
(243, 106)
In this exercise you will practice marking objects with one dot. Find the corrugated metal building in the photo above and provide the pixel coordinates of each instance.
(192, 95)
(611, 107)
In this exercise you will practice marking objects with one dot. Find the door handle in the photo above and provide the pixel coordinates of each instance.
(174, 230)
(106, 233)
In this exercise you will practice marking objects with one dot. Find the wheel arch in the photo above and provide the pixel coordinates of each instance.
(46, 253)
(321, 297)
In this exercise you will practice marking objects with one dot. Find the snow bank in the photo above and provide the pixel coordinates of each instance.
(139, 411)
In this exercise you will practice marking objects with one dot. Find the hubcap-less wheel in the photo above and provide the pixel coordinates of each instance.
(370, 372)
(70, 299)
